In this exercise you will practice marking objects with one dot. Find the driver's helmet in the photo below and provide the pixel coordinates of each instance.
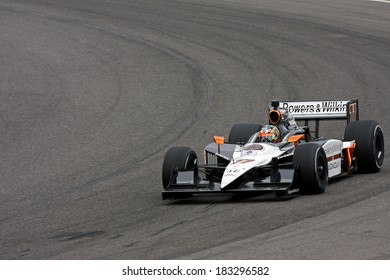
(270, 133)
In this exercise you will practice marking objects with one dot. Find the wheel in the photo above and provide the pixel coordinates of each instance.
(370, 146)
(241, 132)
(312, 167)
(182, 158)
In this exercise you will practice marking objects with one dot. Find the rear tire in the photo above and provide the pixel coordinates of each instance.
(182, 158)
(241, 132)
(370, 147)
(312, 168)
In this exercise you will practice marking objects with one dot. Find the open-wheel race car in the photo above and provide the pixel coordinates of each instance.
(281, 157)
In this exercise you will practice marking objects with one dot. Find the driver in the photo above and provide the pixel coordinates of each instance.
(270, 133)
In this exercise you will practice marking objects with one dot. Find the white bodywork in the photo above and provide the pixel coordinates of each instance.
(246, 157)
(333, 150)
(253, 155)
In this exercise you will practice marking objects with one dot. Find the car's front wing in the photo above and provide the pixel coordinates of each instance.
(186, 183)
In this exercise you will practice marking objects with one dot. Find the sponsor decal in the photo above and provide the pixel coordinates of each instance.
(320, 108)
(334, 149)
(292, 191)
(299, 108)
(353, 108)
(232, 170)
(334, 165)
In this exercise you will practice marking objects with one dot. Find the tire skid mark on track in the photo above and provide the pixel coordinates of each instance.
(70, 236)
(206, 209)
(131, 244)
(172, 53)
(154, 45)
(159, 47)
(168, 228)
(205, 107)
(185, 60)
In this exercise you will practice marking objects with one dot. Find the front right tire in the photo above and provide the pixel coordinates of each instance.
(312, 168)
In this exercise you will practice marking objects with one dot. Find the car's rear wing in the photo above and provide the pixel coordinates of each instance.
(320, 110)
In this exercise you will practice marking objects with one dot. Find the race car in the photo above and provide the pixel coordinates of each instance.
(281, 157)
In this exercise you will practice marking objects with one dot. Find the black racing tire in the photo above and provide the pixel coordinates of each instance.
(182, 158)
(370, 146)
(312, 168)
(241, 132)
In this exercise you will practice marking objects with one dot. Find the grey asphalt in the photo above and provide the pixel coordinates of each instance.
(92, 94)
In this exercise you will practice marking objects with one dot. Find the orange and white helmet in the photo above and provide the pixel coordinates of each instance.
(270, 133)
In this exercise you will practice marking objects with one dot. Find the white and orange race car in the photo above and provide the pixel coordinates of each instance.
(281, 157)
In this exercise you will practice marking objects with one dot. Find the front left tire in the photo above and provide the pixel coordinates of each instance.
(181, 158)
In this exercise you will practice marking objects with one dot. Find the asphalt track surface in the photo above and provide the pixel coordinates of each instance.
(93, 92)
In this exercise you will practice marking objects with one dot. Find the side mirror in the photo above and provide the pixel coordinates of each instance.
(220, 140)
